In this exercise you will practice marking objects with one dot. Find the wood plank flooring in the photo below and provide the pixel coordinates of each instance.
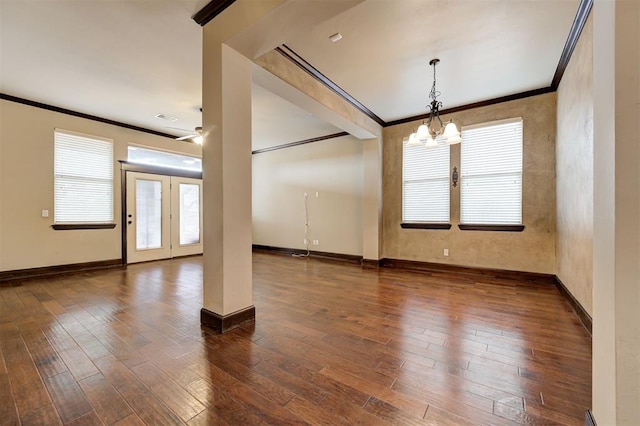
(332, 344)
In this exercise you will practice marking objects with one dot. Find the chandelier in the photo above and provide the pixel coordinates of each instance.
(434, 130)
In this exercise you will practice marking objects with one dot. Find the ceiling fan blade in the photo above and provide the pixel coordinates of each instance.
(182, 138)
(179, 128)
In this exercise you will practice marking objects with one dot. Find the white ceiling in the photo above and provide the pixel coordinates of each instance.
(129, 60)
(277, 121)
(487, 48)
(122, 60)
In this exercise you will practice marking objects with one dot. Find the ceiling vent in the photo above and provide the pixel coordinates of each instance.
(166, 117)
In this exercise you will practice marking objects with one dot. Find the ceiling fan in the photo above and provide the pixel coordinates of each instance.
(195, 136)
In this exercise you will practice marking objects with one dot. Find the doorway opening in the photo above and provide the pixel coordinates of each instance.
(161, 213)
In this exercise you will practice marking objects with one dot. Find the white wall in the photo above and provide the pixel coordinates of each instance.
(333, 168)
(26, 187)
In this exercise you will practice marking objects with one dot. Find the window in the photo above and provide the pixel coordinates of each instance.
(154, 157)
(425, 184)
(491, 173)
(83, 179)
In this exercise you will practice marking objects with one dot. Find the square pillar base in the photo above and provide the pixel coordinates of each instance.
(223, 323)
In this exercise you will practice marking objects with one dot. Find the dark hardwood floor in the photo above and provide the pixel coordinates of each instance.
(332, 344)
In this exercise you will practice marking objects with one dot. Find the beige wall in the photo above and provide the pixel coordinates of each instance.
(533, 249)
(574, 171)
(333, 168)
(26, 187)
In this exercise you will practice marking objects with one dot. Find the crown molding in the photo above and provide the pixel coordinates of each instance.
(210, 11)
(82, 115)
(302, 142)
(474, 105)
(584, 8)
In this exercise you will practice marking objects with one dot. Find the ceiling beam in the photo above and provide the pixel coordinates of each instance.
(288, 53)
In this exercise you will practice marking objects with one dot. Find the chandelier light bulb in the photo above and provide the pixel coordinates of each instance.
(413, 140)
(451, 130)
(431, 143)
(423, 132)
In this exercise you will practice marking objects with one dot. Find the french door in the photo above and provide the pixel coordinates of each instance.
(163, 216)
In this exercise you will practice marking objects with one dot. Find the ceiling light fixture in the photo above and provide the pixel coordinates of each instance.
(434, 130)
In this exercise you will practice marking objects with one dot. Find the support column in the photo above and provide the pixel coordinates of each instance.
(616, 239)
(226, 153)
(243, 30)
(371, 201)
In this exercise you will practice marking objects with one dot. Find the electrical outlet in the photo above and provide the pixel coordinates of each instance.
(45, 213)
(446, 252)
(304, 241)
(316, 242)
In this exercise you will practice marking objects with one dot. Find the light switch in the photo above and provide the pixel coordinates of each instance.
(45, 213)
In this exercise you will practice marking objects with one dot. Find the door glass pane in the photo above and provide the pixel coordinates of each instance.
(189, 213)
(149, 214)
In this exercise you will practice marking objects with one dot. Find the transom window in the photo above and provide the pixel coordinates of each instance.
(155, 157)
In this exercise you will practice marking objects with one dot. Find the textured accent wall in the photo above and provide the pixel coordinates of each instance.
(532, 250)
(574, 171)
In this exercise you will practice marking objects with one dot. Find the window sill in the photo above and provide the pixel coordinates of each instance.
(74, 226)
(499, 228)
(425, 225)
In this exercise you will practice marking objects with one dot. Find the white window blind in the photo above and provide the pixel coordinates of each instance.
(425, 184)
(491, 173)
(83, 178)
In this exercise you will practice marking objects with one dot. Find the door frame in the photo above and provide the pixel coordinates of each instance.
(126, 166)
(163, 250)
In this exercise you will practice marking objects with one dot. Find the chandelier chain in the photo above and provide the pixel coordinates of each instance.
(434, 93)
